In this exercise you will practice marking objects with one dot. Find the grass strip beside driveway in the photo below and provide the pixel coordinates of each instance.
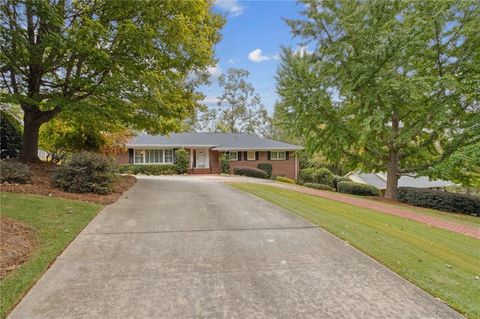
(443, 263)
(56, 222)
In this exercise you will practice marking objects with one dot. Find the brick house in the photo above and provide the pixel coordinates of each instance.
(205, 149)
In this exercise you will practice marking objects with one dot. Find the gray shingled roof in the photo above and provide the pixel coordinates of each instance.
(379, 180)
(218, 141)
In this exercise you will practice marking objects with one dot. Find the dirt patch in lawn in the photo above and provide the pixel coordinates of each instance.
(41, 185)
(17, 242)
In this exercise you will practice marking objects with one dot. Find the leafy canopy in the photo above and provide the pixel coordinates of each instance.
(383, 78)
(131, 62)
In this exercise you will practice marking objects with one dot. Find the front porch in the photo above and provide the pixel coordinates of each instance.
(203, 161)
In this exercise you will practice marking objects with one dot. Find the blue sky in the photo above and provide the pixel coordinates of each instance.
(251, 39)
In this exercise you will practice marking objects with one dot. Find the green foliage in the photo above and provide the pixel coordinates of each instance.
(358, 189)
(182, 159)
(316, 175)
(267, 167)
(284, 179)
(10, 136)
(250, 171)
(60, 138)
(239, 107)
(14, 172)
(86, 172)
(149, 169)
(388, 81)
(322, 187)
(225, 163)
(337, 179)
(449, 202)
(137, 63)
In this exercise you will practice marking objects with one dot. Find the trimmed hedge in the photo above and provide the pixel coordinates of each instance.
(316, 175)
(86, 172)
(337, 179)
(357, 189)
(267, 167)
(250, 171)
(320, 186)
(149, 169)
(15, 172)
(181, 157)
(284, 179)
(225, 163)
(449, 202)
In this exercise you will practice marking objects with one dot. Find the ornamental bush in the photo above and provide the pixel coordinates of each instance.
(449, 202)
(284, 179)
(225, 164)
(86, 172)
(267, 167)
(357, 189)
(337, 179)
(320, 186)
(181, 157)
(10, 136)
(14, 172)
(149, 169)
(316, 175)
(250, 171)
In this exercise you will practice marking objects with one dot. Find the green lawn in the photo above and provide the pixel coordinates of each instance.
(56, 221)
(443, 263)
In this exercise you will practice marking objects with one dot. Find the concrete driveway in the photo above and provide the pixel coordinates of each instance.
(192, 247)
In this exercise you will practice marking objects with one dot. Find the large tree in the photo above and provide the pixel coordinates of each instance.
(134, 63)
(389, 85)
(239, 108)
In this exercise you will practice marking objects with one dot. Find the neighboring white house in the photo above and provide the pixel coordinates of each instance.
(379, 180)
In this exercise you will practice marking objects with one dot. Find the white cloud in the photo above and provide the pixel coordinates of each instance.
(214, 71)
(276, 57)
(233, 61)
(257, 56)
(232, 7)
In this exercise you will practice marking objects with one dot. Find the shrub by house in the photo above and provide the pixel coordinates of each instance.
(250, 171)
(357, 189)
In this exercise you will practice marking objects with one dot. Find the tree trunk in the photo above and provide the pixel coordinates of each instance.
(31, 127)
(392, 175)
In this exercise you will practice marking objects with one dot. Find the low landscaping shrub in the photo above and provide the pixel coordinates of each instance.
(181, 157)
(225, 164)
(320, 186)
(267, 167)
(357, 189)
(284, 179)
(250, 171)
(337, 179)
(316, 175)
(15, 172)
(149, 169)
(86, 172)
(450, 202)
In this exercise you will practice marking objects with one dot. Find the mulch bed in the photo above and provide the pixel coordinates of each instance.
(41, 173)
(17, 242)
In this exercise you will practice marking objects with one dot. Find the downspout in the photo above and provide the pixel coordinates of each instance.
(296, 167)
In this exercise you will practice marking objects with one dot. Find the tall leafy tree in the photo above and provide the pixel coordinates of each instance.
(389, 85)
(239, 108)
(134, 63)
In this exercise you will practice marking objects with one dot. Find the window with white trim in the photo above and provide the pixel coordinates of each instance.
(233, 156)
(168, 156)
(278, 156)
(251, 156)
(139, 156)
(153, 156)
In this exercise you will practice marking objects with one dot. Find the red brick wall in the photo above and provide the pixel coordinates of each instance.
(122, 158)
(279, 168)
